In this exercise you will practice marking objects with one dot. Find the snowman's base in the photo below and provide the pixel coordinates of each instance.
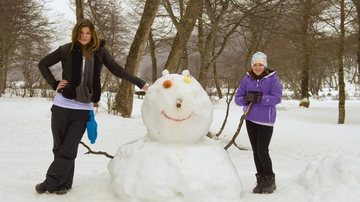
(151, 171)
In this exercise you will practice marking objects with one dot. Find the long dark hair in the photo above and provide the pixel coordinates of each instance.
(94, 42)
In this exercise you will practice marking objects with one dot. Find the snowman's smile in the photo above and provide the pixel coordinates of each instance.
(177, 119)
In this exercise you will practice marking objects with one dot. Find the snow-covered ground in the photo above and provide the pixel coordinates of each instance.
(314, 158)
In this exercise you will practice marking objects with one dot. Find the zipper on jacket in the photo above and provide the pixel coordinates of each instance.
(269, 114)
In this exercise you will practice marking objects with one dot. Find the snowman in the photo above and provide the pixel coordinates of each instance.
(175, 161)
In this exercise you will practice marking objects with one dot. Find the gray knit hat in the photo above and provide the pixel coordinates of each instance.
(259, 57)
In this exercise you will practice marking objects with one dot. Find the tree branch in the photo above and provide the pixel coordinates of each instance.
(232, 141)
(96, 152)
(167, 6)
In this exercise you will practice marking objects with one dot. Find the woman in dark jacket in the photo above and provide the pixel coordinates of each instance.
(262, 87)
(79, 89)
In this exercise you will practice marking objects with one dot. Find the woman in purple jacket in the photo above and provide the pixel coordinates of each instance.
(262, 87)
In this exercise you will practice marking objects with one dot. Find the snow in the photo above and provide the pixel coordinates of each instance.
(314, 158)
(152, 171)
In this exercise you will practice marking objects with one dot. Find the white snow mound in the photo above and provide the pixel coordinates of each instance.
(146, 170)
(332, 178)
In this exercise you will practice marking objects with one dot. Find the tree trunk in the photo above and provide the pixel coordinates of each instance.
(2, 78)
(104, 87)
(357, 6)
(201, 41)
(341, 56)
(305, 102)
(186, 25)
(3, 72)
(216, 80)
(201, 49)
(2, 68)
(124, 97)
(184, 62)
(153, 57)
(79, 10)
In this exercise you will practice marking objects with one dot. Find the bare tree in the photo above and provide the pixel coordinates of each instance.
(206, 42)
(19, 20)
(124, 97)
(310, 11)
(224, 24)
(8, 35)
(339, 21)
(27, 57)
(184, 29)
(293, 48)
(341, 118)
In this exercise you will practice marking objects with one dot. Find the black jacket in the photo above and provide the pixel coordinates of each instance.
(71, 61)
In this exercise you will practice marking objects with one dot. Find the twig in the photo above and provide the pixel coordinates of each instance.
(240, 148)
(96, 152)
(228, 101)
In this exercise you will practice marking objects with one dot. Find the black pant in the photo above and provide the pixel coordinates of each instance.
(68, 127)
(260, 137)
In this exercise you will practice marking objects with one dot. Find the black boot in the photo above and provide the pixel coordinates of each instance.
(259, 184)
(61, 191)
(269, 184)
(40, 188)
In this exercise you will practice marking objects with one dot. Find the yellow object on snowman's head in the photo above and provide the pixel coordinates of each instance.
(187, 77)
(169, 83)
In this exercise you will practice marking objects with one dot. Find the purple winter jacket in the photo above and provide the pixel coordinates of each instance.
(271, 89)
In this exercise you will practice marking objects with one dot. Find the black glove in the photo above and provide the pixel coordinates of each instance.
(253, 96)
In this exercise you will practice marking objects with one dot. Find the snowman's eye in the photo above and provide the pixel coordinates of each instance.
(167, 84)
(187, 79)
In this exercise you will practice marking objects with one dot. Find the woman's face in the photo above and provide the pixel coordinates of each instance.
(258, 68)
(85, 36)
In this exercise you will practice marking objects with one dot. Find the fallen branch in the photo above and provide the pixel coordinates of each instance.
(240, 148)
(232, 141)
(96, 152)
(228, 101)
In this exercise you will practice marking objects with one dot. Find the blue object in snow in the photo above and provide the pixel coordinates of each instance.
(91, 127)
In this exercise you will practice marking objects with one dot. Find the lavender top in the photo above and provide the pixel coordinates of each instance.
(61, 101)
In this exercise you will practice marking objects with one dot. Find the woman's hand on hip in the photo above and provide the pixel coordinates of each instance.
(62, 84)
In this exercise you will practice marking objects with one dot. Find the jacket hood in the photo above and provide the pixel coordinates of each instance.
(267, 72)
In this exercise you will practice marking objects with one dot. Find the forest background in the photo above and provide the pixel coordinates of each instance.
(312, 44)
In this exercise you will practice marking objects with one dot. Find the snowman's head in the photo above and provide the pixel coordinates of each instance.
(176, 109)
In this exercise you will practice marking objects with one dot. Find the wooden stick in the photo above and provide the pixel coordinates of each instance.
(232, 141)
(96, 152)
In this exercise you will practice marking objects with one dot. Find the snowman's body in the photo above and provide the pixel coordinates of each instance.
(175, 162)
